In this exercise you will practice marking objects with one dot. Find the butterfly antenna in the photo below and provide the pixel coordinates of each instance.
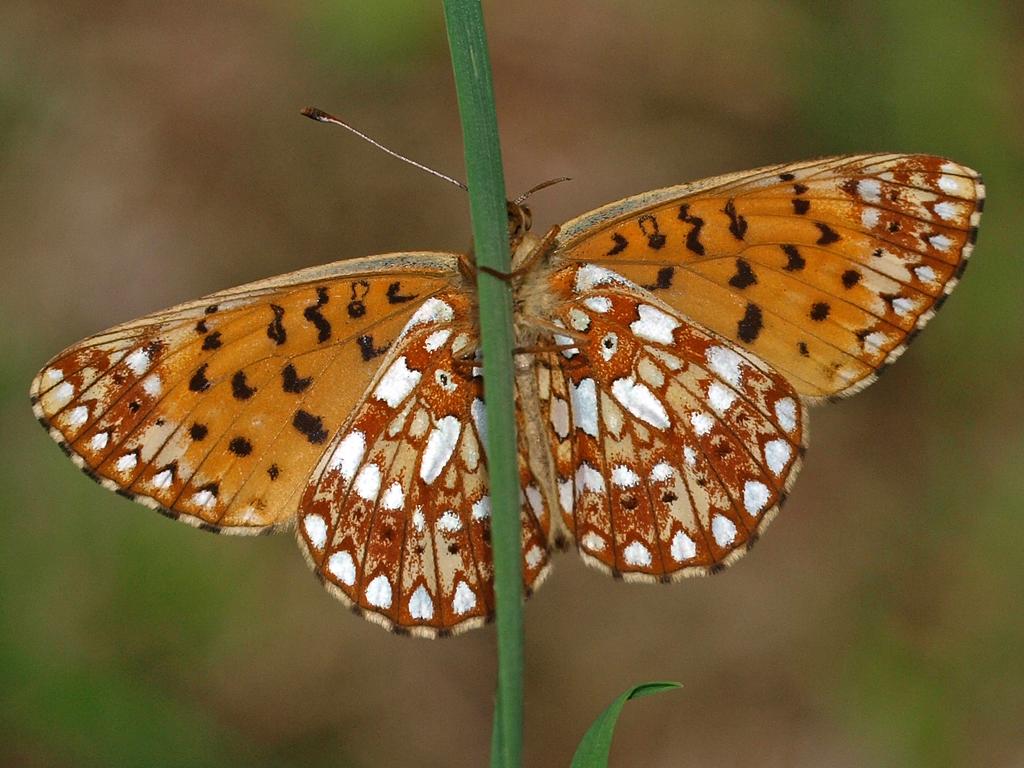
(543, 185)
(322, 117)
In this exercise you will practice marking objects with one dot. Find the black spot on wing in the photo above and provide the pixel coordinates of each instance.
(828, 235)
(367, 348)
(794, 261)
(820, 310)
(275, 330)
(850, 278)
(393, 294)
(198, 431)
(737, 223)
(312, 427)
(800, 207)
(240, 446)
(693, 242)
(663, 280)
(212, 341)
(291, 382)
(620, 244)
(199, 382)
(750, 324)
(744, 276)
(240, 388)
(313, 315)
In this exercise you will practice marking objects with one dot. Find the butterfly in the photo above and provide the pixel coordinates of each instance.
(667, 348)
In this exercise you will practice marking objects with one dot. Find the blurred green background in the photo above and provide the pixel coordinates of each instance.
(153, 152)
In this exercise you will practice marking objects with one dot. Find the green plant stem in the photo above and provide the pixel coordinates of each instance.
(471, 65)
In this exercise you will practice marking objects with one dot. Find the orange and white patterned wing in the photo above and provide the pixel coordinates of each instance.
(824, 269)
(673, 447)
(216, 411)
(396, 517)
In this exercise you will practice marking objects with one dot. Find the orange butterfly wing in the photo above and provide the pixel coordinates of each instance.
(216, 411)
(823, 269)
(673, 449)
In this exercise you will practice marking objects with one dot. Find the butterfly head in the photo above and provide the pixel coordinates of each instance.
(519, 222)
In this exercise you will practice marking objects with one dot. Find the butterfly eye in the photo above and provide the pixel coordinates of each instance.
(609, 345)
(444, 379)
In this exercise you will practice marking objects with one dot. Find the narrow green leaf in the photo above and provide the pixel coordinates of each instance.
(597, 741)
(471, 66)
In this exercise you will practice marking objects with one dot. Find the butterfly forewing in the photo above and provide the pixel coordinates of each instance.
(824, 270)
(217, 410)
(672, 448)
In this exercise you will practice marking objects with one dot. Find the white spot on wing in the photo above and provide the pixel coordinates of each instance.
(870, 190)
(204, 498)
(654, 324)
(397, 382)
(579, 319)
(661, 472)
(869, 217)
(480, 419)
(948, 184)
(342, 567)
(946, 210)
(902, 306)
(785, 413)
(755, 496)
(941, 242)
(534, 556)
(600, 304)
(126, 463)
(418, 520)
(637, 554)
(431, 311)
(624, 477)
(482, 508)
(393, 497)
(439, 448)
(776, 455)
(689, 455)
(560, 417)
(62, 394)
(723, 529)
(590, 275)
(163, 479)
(565, 495)
(138, 361)
(589, 479)
(720, 397)
(641, 402)
(683, 547)
(535, 499)
(702, 423)
(52, 376)
(99, 441)
(349, 454)
(378, 592)
(78, 416)
(592, 541)
(584, 405)
(316, 530)
(367, 484)
(925, 273)
(464, 600)
(725, 364)
(421, 606)
(152, 385)
(435, 340)
(449, 522)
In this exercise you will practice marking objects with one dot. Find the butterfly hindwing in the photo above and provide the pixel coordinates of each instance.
(396, 517)
(216, 411)
(823, 269)
(672, 449)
